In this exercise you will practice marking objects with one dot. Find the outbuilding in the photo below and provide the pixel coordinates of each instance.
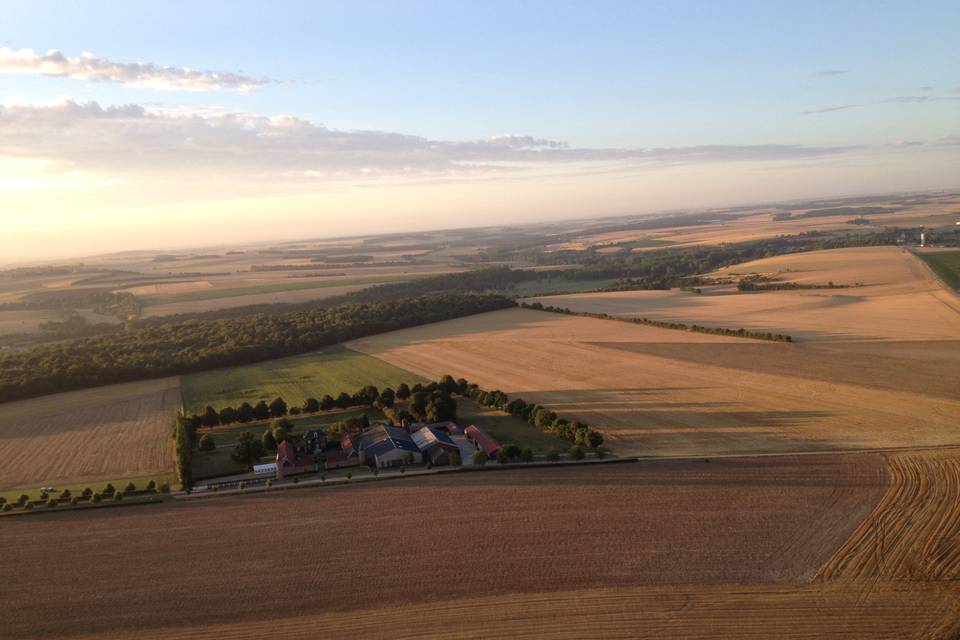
(482, 440)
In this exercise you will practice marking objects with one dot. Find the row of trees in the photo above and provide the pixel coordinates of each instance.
(661, 324)
(540, 417)
(174, 348)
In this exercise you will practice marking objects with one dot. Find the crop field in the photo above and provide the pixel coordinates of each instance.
(946, 264)
(616, 545)
(899, 299)
(294, 379)
(664, 392)
(120, 431)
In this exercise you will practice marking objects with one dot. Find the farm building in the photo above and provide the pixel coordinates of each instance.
(448, 427)
(291, 462)
(381, 446)
(481, 440)
(314, 441)
(435, 444)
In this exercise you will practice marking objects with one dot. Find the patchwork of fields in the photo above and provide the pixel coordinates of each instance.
(663, 392)
(108, 433)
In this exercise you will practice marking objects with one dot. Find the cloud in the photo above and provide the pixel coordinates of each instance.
(135, 74)
(118, 140)
(908, 143)
(830, 72)
(841, 107)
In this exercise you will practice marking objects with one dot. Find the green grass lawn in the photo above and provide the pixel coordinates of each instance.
(294, 379)
(507, 429)
(945, 264)
(96, 485)
(288, 285)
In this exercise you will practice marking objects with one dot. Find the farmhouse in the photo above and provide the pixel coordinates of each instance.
(314, 441)
(435, 444)
(481, 440)
(291, 462)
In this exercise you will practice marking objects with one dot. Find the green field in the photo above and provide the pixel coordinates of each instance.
(289, 285)
(294, 379)
(507, 429)
(945, 264)
(97, 486)
(549, 287)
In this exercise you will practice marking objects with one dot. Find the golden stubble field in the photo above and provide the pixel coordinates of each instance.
(665, 392)
(107, 433)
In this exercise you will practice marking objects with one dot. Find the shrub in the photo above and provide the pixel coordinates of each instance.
(526, 455)
(28, 506)
(151, 486)
(480, 458)
(96, 498)
(74, 500)
(269, 482)
(130, 487)
(241, 485)
(52, 502)
(349, 475)
(118, 495)
(65, 494)
(553, 455)
(164, 488)
(323, 478)
(6, 506)
(376, 472)
(576, 453)
(429, 465)
(207, 443)
(87, 492)
(502, 456)
(3, 501)
(23, 499)
(296, 480)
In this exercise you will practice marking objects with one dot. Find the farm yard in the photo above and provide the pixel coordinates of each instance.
(103, 434)
(733, 547)
(637, 385)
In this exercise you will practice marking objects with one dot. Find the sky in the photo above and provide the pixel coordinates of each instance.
(132, 125)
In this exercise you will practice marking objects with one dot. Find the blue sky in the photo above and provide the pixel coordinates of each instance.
(594, 75)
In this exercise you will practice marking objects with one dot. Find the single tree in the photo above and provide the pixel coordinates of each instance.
(228, 415)
(480, 458)
(327, 403)
(576, 453)
(207, 443)
(278, 408)
(311, 405)
(403, 391)
(526, 455)
(248, 450)
(261, 411)
(210, 417)
(245, 413)
(344, 401)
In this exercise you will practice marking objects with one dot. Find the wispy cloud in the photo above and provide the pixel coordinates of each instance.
(841, 107)
(87, 66)
(830, 72)
(116, 140)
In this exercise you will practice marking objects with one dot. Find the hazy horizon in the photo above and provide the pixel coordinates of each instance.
(142, 127)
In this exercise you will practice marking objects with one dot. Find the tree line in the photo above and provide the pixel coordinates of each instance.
(176, 348)
(661, 324)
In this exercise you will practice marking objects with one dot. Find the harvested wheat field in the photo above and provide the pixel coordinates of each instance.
(665, 392)
(617, 544)
(899, 300)
(106, 433)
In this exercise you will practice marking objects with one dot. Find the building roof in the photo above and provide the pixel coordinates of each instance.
(443, 426)
(427, 437)
(391, 444)
(483, 440)
(286, 453)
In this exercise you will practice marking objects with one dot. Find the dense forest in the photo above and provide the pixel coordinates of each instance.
(174, 348)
